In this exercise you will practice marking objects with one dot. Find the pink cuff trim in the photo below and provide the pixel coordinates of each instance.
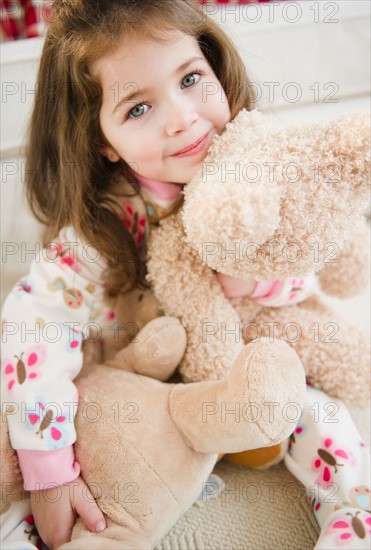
(266, 290)
(162, 190)
(45, 469)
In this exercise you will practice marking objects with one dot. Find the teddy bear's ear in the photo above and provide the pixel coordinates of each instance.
(233, 200)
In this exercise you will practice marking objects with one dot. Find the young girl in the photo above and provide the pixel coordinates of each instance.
(129, 98)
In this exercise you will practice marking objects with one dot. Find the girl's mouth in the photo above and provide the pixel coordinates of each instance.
(194, 148)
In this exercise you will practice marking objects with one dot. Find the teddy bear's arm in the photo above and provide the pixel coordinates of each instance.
(188, 290)
(348, 273)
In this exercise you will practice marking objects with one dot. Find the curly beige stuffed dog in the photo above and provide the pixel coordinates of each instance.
(309, 212)
(271, 202)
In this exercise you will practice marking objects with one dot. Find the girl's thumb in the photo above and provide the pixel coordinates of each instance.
(88, 510)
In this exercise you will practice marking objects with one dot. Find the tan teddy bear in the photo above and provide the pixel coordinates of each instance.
(310, 217)
(271, 202)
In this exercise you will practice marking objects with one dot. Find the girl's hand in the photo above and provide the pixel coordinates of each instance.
(55, 510)
(235, 288)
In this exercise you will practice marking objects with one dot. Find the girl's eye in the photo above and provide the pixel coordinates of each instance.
(138, 110)
(190, 79)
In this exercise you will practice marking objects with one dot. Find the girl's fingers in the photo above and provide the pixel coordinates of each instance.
(59, 534)
(88, 510)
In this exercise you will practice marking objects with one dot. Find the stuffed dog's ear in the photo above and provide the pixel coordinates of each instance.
(233, 202)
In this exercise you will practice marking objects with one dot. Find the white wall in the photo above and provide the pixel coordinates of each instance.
(19, 231)
(288, 47)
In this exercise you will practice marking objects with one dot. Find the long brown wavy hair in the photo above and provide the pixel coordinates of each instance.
(69, 182)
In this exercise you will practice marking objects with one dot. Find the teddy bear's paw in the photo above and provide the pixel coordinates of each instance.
(272, 389)
(125, 536)
(156, 350)
(97, 542)
(257, 406)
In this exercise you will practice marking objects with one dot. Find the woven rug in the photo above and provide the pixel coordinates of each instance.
(254, 510)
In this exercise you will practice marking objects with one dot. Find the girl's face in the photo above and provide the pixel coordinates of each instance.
(162, 105)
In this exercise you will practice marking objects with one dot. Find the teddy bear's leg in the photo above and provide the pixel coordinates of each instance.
(156, 350)
(114, 536)
(256, 406)
(265, 457)
(335, 354)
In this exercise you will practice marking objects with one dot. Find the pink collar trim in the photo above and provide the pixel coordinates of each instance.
(162, 190)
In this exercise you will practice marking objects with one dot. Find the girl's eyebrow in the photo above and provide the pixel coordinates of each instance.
(137, 93)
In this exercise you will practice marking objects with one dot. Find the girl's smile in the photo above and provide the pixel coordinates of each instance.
(196, 147)
(165, 125)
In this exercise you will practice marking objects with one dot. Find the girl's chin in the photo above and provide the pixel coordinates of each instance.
(188, 174)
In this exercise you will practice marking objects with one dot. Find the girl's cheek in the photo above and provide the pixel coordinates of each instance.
(219, 102)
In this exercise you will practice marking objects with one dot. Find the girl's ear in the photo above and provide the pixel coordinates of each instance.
(109, 153)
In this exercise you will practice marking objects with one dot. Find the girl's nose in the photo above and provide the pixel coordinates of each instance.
(180, 117)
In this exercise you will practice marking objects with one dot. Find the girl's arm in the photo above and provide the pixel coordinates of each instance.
(45, 318)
